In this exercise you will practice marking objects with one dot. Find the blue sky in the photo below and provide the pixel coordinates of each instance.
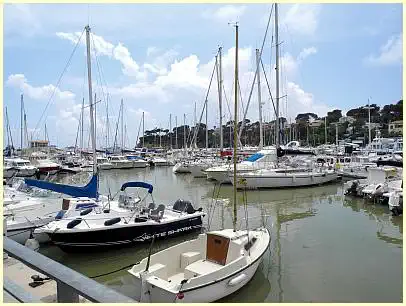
(158, 59)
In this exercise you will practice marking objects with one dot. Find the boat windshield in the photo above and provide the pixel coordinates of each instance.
(254, 157)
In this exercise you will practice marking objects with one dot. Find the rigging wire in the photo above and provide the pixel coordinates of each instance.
(59, 79)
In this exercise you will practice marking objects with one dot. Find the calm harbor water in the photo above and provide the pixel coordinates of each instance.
(325, 247)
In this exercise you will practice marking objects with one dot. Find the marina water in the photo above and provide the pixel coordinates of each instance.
(325, 247)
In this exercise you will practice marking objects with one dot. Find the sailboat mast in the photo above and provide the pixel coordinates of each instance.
(95, 118)
(325, 129)
(122, 126)
(89, 78)
(7, 128)
(81, 129)
(261, 133)
(25, 129)
(170, 131)
(195, 138)
(143, 131)
(207, 128)
(22, 107)
(176, 132)
(184, 131)
(277, 76)
(107, 122)
(221, 98)
(160, 138)
(369, 123)
(235, 128)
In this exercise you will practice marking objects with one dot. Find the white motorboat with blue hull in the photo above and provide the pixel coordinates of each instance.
(113, 228)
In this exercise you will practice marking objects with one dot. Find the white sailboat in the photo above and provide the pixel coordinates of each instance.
(280, 177)
(208, 268)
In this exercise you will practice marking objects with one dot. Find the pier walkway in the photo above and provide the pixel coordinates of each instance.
(62, 284)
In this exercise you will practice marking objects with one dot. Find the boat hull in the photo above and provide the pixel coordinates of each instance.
(181, 168)
(24, 172)
(140, 164)
(128, 165)
(99, 240)
(105, 166)
(50, 170)
(283, 181)
(207, 294)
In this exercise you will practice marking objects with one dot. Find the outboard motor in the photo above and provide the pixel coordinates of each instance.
(185, 206)
(353, 189)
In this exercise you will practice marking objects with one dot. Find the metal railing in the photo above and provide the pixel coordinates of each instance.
(70, 284)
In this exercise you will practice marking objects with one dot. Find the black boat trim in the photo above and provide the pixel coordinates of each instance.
(95, 244)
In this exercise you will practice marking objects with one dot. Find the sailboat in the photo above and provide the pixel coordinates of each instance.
(116, 226)
(286, 176)
(208, 268)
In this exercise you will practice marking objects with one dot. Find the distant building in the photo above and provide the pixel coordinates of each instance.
(348, 119)
(316, 123)
(38, 143)
(396, 127)
(374, 125)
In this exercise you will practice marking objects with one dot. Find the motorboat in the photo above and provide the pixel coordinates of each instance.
(23, 167)
(104, 164)
(44, 165)
(120, 162)
(117, 227)
(257, 161)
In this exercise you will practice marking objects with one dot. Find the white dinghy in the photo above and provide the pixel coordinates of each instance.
(206, 269)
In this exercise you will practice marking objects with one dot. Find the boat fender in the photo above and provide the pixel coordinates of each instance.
(86, 211)
(73, 223)
(294, 178)
(32, 243)
(112, 221)
(237, 280)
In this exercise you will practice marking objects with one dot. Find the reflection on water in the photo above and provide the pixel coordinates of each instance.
(324, 247)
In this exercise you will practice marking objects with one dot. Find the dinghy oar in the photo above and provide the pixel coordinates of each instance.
(149, 253)
(145, 296)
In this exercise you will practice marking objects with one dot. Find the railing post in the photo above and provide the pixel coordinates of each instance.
(66, 294)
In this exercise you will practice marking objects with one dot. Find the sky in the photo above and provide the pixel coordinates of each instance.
(159, 58)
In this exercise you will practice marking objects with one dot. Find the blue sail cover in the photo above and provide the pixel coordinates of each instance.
(137, 184)
(90, 190)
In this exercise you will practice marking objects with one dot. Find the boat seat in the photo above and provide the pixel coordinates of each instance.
(158, 270)
(201, 267)
(188, 258)
(158, 213)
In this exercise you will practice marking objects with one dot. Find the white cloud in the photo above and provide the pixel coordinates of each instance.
(103, 47)
(227, 13)
(42, 93)
(306, 52)
(291, 64)
(130, 67)
(390, 53)
(176, 82)
(302, 18)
